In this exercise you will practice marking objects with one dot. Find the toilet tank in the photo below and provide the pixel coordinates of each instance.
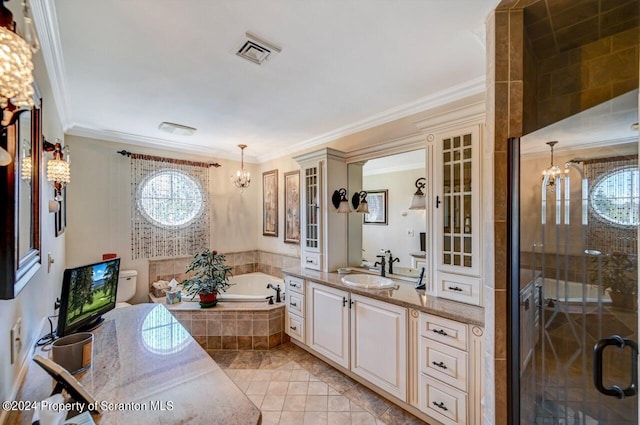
(126, 285)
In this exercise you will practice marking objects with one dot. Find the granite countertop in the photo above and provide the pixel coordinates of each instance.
(141, 354)
(405, 295)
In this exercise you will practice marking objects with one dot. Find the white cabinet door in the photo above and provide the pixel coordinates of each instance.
(379, 344)
(328, 322)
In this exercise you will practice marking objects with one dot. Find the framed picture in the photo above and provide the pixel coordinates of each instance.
(292, 207)
(377, 200)
(270, 203)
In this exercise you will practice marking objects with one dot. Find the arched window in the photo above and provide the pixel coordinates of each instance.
(170, 198)
(615, 197)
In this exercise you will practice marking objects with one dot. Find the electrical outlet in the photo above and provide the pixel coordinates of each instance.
(16, 340)
(410, 232)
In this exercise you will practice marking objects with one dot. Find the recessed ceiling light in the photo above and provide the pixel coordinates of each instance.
(178, 129)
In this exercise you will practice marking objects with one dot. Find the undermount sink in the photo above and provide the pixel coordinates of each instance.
(368, 281)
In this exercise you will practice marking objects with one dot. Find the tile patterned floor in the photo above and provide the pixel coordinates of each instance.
(292, 387)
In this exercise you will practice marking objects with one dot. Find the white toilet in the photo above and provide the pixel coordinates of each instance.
(126, 287)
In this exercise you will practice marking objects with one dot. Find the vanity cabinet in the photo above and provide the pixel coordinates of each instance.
(449, 365)
(379, 344)
(367, 336)
(295, 303)
(323, 172)
(456, 219)
(328, 332)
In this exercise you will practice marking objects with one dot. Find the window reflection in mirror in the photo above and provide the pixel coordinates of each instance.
(402, 233)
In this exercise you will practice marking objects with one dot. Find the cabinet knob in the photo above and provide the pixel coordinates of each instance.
(440, 406)
(440, 365)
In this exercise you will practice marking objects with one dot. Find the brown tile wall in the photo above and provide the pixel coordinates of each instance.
(241, 263)
(588, 75)
(554, 89)
(235, 330)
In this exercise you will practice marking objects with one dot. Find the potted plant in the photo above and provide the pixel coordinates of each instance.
(619, 275)
(209, 275)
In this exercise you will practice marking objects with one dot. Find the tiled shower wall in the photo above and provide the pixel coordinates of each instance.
(240, 262)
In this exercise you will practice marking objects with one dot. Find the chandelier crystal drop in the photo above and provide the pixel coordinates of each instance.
(242, 178)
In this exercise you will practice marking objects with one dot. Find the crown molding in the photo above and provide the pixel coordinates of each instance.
(390, 147)
(396, 169)
(472, 113)
(46, 23)
(443, 97)
(156, 143)
(542, 150)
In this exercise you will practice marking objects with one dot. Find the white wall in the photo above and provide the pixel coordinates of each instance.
(36, 300)
(99, 206)
(401, 187)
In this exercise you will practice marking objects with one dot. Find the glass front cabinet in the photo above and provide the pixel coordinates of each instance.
(322, 172)
(456, 214)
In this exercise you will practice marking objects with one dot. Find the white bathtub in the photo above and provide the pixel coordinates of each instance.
(572, 292)
(251, 287)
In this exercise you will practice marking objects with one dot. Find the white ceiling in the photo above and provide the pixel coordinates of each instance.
(606, 124)
(120, 67)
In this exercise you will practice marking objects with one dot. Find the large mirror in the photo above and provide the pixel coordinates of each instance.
(20, 187)
(403, 232)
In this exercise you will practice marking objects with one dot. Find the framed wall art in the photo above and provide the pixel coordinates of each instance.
(292, 207)
(270, 203)
(378, 207)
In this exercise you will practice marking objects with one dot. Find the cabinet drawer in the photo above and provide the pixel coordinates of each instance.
(295, 303)
(443, 362)
(295, 327)
(294, 284)
(311, 260)
(442, 402)
(443, 330)
(455, 287)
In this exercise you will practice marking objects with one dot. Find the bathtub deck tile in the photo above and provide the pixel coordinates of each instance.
(229, 327)
(260, 328)
(260, 342)
(214, 342)
(245, 342)
(229, 342)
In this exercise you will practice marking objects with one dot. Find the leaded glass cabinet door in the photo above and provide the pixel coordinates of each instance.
(312, 223)
(457, 213)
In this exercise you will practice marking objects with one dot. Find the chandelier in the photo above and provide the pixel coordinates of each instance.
(553, 172)
(242, 178)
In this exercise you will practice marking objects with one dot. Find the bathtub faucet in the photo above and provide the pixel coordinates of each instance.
(277, 289)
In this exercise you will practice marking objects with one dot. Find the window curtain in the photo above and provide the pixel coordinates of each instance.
(150, 239)
(603, 235)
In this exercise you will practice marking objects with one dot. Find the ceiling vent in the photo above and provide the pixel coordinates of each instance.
(177, 129)
(256, 49)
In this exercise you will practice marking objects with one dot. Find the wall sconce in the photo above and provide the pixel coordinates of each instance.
(418, 202)
(26, 166)
(58, 168)
(16, 66)
(339, 200)
(359, 202)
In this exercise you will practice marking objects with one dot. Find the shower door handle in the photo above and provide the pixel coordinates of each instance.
(616, 390)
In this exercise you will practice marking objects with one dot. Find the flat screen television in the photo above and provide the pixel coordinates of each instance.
(87, 293)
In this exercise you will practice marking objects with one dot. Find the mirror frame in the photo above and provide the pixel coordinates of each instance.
(16, 272)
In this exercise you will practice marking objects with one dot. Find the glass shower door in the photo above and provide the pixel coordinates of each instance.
(579, 217)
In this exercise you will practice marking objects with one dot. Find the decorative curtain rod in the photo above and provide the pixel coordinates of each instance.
(169, 160)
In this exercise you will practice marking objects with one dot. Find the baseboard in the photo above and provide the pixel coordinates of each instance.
(26, 360)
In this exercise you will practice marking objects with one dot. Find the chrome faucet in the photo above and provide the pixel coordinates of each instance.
(277, 289)
(391, 261)
(381, 263)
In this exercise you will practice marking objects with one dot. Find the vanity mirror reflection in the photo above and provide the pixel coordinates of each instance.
(405, 228)
(20, 189)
